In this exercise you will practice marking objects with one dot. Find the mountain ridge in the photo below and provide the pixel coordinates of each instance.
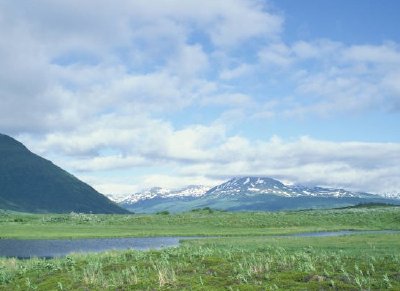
(256, 193)
(267, 185)
(159, 192)
(30, 183)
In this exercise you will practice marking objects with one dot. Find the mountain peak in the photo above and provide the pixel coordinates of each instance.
(246, 185)
(252, 181)
(251, 186)
(253, 193)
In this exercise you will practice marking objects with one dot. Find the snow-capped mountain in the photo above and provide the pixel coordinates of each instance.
(251, 186)
(158, 192)
(247, 185)
(392, 195)
(248, 194)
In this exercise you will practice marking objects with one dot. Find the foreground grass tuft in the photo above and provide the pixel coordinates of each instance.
(245, 259)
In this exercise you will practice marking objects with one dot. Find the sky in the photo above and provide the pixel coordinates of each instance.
(128, 95)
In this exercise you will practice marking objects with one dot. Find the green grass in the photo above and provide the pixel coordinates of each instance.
(244, 260)
(359, 262)
(197, 223)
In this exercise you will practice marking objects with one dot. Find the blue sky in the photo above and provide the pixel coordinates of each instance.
(352, 22)
(135, 94)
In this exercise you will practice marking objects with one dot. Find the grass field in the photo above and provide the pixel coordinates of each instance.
(243, 261)
(196, 223)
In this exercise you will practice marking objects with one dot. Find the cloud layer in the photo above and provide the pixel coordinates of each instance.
(158, 92)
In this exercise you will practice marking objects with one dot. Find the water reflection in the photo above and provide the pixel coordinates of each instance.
(61, 247)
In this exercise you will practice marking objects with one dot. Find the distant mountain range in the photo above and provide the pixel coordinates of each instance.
(248, 193)
(30, 183)
(192, 191)
(391, 195)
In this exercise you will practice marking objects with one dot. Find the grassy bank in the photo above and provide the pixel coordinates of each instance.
(244, 260)
(197, 223)
(360, 262)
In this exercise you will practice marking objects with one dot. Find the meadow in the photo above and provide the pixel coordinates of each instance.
(203, 222)
(246, 259)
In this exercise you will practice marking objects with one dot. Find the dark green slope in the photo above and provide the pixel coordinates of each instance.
(30, 183)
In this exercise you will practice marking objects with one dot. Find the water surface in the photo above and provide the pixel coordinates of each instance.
(50, 248)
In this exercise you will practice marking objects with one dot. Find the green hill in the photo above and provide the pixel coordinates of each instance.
(30, 183)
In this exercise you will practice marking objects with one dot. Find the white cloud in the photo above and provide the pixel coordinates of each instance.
(391, 83)
(237, 72)
(108, 162)
(276, 54)
(388, 54)
(332, 77)
(64, 62)
(228, 100)
(206, 154)
(174, 182)
(319, 49)
(357, 165)
(193, 143)
(190, 60)
(117, 188)
(242, 20)
(122, 133)
(97, 90)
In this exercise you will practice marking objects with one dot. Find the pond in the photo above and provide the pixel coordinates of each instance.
(50, 248)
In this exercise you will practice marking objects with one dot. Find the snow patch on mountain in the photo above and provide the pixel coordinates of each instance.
(116, 197)
(247, 186)
(392, 195)
(158, 192)
(250, 186)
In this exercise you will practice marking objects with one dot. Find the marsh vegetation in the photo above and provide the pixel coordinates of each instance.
(242, 261)
(195, 223)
